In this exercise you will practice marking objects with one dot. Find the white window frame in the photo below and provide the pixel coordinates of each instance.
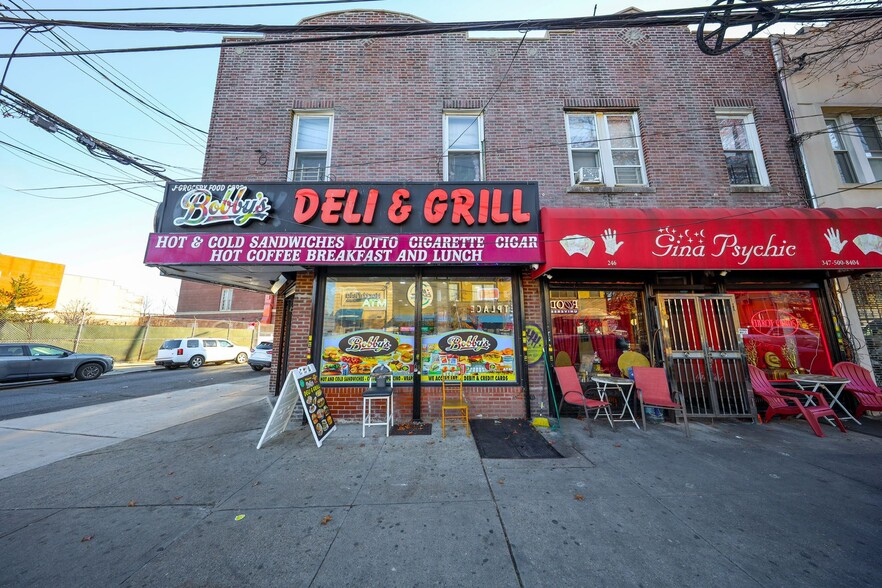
(604, 146)
(753, 138)
(226, 299)
(847, 149)
(850, 138)
(295, 124)
(476, 114)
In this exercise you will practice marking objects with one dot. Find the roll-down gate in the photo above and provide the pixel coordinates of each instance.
(704, 354)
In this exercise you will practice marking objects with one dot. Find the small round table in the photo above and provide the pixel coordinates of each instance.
(625, 388)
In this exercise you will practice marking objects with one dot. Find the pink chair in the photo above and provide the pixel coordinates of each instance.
(653, 391)
(571, 393)
(785, 406)
(860, 384)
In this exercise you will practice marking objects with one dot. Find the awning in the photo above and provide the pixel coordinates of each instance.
(836, 239)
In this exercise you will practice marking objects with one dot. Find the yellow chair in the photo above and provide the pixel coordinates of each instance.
(452, 399)
(631, 359)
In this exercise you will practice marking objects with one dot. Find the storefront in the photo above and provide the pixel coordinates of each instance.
(703, 292)
(424, 278)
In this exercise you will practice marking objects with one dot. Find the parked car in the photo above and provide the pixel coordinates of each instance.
(262, 356)
(196, 352)
(38, 361)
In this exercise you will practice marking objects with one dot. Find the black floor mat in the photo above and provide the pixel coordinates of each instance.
(411, 429)
(510, 439)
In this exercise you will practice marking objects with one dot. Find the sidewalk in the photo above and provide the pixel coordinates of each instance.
(197, 505)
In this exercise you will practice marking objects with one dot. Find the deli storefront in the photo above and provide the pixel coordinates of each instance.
(425, 278)
(703, 292)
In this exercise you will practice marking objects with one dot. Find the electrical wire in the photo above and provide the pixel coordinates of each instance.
(203, 7)
(393, 30)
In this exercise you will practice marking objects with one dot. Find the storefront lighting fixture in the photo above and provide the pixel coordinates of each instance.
(723, 273)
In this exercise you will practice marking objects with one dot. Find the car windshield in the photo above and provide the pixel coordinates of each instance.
(171, 344)
(264, 346)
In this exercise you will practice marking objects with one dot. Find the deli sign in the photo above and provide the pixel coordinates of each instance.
(347, 224)
(371, 208)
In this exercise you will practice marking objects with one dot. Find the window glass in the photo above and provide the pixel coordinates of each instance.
(740, 145)
(871, 139)
(843, 161)
(312, 133)
(46, 351)
(210, 343)
(226, 302)
(468, 325)
(171, 344)
(592, 329)
(784, 333)
(583, 131)
(605, 148)
(463, 132)
(224, 343)
(367, 322)
(192, 343)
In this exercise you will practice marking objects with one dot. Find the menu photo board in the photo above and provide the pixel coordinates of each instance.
(482, 357)
(301, 384)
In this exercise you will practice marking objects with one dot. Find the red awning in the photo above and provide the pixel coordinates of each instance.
(712, 238)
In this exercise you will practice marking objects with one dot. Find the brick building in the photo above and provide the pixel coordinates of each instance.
(667, 187)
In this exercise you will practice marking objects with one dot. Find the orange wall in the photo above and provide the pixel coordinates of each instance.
(45, 275)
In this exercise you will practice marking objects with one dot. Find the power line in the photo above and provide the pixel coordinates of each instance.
(203, 7)
(687, 16)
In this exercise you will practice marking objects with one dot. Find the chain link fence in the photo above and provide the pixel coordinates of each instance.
(126, 338)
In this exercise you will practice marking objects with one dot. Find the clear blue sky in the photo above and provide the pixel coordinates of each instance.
(104, 236)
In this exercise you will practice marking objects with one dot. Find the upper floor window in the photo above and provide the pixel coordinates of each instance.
(741, 146)
(463, 147)
(311, 147)
(857, 147)
(605, 148)
(226, 301)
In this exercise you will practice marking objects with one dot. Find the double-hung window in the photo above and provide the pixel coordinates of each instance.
(226, 301)
(857, 147)
(741, 146)
(463, 147)
(605, 148)
(311, 147)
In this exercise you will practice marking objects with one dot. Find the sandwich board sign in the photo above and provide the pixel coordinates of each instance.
(301, 384)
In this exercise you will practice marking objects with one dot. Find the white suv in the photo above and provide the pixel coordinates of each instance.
(175, 353)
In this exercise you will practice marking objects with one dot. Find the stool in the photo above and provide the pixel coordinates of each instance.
(367, 399)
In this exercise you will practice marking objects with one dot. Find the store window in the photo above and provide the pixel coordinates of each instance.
(782, 332)
(468, 326)
(367, 321)
(593, 329)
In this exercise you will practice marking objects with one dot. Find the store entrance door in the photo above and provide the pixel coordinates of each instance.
(705, 355)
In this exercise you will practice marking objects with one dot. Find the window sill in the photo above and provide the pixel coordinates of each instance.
(752, 189)
(582, 189)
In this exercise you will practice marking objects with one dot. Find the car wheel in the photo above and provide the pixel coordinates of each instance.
(172, 367)
(89, 371)
(242, 358)
(63, 378)
(257, 368)
(197, 361)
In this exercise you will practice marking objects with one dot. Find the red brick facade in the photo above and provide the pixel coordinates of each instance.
(388, 97)
(203, 301)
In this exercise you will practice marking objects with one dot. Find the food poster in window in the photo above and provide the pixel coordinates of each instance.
(483, 357)
(350, 357)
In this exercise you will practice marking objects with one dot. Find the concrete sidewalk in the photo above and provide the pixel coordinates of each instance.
(197, 505)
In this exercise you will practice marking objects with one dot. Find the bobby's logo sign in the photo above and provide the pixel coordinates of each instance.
(200, 208)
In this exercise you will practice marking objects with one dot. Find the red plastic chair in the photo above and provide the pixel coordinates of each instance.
(860, 384)
(653, 391)
(786, 406)
(571, 393)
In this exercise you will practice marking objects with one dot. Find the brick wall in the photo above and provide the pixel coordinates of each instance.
(388, 96)
(204, 301)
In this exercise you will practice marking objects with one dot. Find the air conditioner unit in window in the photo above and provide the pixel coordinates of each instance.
(588, 175)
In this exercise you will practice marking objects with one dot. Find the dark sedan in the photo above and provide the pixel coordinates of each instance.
(37, 361)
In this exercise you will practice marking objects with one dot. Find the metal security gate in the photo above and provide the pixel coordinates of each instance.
(705, 355)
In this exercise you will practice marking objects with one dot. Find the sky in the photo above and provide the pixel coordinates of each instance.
(95, 230)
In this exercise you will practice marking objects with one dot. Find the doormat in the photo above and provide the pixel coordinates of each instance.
(510, 439)
(411, 429)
